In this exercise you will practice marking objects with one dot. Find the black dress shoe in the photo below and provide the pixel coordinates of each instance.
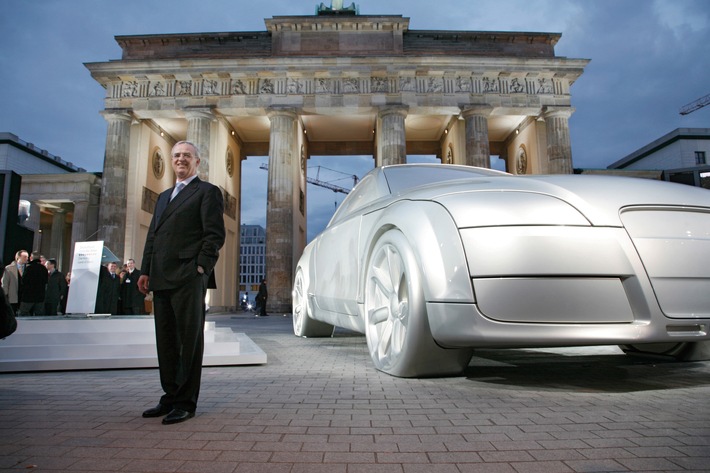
(177, 415)
(157, 411)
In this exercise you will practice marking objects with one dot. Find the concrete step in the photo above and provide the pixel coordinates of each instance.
(71, 343)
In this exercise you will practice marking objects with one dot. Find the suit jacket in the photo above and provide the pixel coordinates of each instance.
(56, 288)
(34, 282)
(130, 295)
(107, 292)
(184, 233)
(11, 281)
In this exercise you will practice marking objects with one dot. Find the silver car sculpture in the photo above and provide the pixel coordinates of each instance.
(432, 261)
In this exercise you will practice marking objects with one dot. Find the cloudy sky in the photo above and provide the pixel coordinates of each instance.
(648, 59)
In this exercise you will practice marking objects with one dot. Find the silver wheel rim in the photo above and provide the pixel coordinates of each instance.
(387, 305)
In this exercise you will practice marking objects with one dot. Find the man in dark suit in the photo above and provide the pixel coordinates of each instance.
(56, 288)
(34, 286)
(181, 250)
(108, 290)
(132, 299)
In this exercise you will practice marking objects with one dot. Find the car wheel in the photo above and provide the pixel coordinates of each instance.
(396, 323)
(303, 325)
(683, 351)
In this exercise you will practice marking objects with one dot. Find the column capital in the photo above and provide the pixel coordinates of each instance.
(199, 112)
(556, 112)
(401, 110)
(476, 110)
(117, 114)
(281, 112)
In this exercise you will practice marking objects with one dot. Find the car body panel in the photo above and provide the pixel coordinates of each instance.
(525, 261)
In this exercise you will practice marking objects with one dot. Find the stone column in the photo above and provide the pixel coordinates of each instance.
(394, 140)
(55, 247)
(199, 125)
(279, 208)
(33, 224)
(478, 152)
(112, 212)
(559, 149)
(78, 226)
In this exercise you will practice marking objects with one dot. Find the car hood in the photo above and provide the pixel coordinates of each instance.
(598, 198)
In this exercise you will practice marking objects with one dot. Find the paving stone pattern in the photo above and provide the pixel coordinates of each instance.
(320, 406)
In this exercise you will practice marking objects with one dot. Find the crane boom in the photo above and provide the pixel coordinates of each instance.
(318, 182)
(695, 105)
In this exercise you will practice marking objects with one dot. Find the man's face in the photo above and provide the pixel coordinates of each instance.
(130, 264)
(112, 268)
(49, 266)
(184, 160)
(24, 256)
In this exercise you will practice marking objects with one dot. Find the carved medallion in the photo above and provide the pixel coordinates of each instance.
(521, 162)
(229, 162)
(158, 164)
(450, 155)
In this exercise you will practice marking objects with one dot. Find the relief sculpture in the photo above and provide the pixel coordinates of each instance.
(130, 89)
(379, 84)
(238, 88)
(351, 86)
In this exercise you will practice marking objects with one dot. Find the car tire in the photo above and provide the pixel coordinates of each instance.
(303, 324)
(682, 351)
(396, 324)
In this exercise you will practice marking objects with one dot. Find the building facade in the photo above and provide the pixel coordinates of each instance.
(63, 198)
(334, 83)
(682, 155)
(252, 260)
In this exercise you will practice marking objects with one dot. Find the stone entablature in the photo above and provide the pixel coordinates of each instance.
(488, 83)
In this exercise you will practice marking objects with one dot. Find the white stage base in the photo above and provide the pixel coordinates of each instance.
(78, 343)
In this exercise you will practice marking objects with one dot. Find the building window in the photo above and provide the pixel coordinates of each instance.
(700, 157)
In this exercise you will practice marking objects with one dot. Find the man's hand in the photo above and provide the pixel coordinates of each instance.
(143, 282)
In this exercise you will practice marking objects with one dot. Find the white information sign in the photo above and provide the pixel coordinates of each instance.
(84, 277)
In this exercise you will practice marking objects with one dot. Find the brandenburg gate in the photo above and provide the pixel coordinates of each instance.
(333, 83)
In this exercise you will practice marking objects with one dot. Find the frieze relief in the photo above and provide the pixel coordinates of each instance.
(458, 84)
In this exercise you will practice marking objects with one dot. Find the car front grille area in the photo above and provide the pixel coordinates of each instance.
(674, 246)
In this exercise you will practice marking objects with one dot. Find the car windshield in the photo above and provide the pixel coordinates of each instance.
(400, 178)
(370, 188)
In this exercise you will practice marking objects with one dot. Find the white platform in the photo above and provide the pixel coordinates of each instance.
(79, 343)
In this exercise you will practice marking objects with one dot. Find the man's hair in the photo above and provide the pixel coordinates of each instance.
(52, 261)
(17, 255)
(36, 255)
(185, 142)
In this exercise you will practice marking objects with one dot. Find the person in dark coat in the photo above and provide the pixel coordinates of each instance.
(34, 286)
(132, 300)
(261, 297)
(108, 291)
(181, 250)
(56, 288)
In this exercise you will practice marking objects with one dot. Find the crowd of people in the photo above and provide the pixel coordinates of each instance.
(34, 285)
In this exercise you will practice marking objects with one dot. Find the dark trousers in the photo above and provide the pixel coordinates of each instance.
(50, 308)
(133, 310)
(31, 308)
(179, 335)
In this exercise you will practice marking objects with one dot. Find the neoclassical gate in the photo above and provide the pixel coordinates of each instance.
(327, 84)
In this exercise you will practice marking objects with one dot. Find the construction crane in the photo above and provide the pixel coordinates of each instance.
(317, 182)
(695, 105)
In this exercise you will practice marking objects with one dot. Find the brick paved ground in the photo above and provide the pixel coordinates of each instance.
(319, 406)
